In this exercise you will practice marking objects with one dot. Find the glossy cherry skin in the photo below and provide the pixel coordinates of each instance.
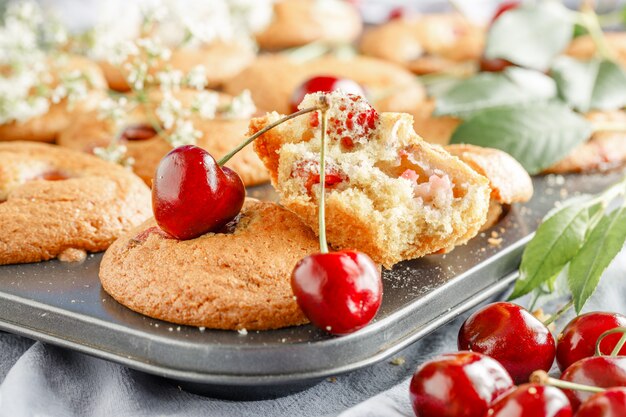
(324, 83)
(504, 7)
(512, 336)
(532, 400)
(193, 195)
(597, 371)
(610, 403)
(578, 339)
(339, 292)
(461, 384)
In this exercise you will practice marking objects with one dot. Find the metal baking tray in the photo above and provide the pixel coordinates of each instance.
(64, 304)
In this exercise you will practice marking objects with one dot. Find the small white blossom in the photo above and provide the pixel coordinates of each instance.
(115, 153)
(241, 107)
(170, 80)
(121, 52)
(196, 77)
(137, 75)
(154, 49)
(205, 104)
(112, 109)
(184, 134)
(169, 110)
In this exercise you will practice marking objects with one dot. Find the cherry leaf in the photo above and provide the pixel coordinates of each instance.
(536, 135)
(609, 91)
(594, 84)
(531, 36)
(556, 242)
(604, 242)
(488, 90)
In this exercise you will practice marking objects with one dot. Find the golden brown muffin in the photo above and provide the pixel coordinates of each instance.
(221, 60)
(55, 202)
(240, 279)
(584, 48)
(602, 152)
(299, 22)
(426, 44)
(272, 79)
(219, 136)
(46, 127)
(509, 181)
(389, 193)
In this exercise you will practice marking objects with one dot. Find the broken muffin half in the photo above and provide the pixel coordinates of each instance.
(388, 193)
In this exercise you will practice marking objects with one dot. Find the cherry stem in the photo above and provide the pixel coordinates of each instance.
(589, 20)
(619, 344)
(542, 378)
(322, 200)
(559, 313)
(251, 139)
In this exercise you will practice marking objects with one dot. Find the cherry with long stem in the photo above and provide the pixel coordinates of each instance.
(192, 194)
(339, 292)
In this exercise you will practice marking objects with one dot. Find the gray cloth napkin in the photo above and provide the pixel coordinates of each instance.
(44, 380)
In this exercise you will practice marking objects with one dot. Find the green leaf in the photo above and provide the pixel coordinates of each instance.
(555, 243)
(605, 241)
(609, 91)
(579, 30)
(531, 36)
(556, 287)
(488, 90)
(535, 84)
(594, 84)
(575, 80)
(537, 136)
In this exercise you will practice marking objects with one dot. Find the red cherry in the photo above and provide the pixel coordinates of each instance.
(597, 371)
(578, 339)
(324, 83)
(494, 64)
(504, 7)
(138, 132)
(461, 384)
(396, 13)
(339, 292)
(532, 400)
(610, 403)
(193, 195)
(512, 336)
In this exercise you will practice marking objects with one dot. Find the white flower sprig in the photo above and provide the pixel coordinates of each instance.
(31, 50)
(145, 65)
